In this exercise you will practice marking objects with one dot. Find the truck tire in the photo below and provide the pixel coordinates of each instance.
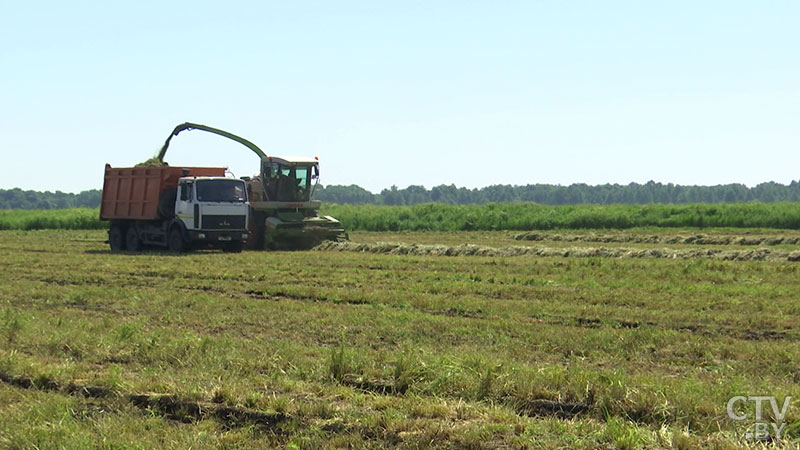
(132, 241)
(116, 238)
(175, 241)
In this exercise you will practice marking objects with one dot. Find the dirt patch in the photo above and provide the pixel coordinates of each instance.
(173, 408)
(29, 383)
(760, 254)
(168, 406)
(460, 312)
(589, 323)
(768, 335)
(81, 282)
(378, 386)
(240, 417)
(553, 408)
(46, 384)
(748, 335)
(743, 334)
(260, 295)
(88, 391)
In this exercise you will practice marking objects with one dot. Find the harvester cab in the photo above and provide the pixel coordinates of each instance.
(289, 179)
(283, 211)
(282, 202)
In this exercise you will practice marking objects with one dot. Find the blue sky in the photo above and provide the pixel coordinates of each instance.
(413, 92)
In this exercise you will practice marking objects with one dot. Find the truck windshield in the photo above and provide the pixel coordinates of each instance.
(230, 191)
(288, 183)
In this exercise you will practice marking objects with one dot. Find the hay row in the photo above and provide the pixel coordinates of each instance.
(698, 239)
(760, 254)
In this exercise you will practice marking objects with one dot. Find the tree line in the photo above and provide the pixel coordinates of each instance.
(545, 194)
(548, 194)
(18, 199)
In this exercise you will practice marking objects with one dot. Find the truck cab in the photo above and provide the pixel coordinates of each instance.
(212, 210)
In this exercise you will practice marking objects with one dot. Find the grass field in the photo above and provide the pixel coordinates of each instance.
(53, 219)
(489, 217)
(531, 216)
(366, 348)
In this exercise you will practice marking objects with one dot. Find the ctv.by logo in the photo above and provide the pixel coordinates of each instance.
(761, 428)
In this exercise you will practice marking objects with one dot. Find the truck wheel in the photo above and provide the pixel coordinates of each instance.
(233, 247)
(175, 241)
(116, 238)
(132, 241)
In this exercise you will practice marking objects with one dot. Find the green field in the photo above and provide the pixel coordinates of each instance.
(54, 219)
(632, 339)
(531, 216)
(487, 217)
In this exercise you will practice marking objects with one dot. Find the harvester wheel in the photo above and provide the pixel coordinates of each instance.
(175, 240)
(116, 238)
(269, 241)
(132, 242)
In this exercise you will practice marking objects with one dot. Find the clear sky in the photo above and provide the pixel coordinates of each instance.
(413, 92)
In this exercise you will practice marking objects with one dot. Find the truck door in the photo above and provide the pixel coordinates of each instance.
(185, 206)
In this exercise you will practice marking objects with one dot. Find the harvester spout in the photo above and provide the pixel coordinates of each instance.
(196, 126)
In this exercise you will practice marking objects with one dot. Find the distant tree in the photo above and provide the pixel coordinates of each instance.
(445, 194)
(345, 194)
(416, 194)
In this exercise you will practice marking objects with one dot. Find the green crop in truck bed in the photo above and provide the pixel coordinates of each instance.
(152, 162)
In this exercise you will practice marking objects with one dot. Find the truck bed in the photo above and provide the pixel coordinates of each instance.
(132, 193)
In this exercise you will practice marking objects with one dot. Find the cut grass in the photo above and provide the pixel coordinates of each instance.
(394, 248)
(374, 350)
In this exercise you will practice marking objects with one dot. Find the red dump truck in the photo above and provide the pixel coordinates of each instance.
(174, 207)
